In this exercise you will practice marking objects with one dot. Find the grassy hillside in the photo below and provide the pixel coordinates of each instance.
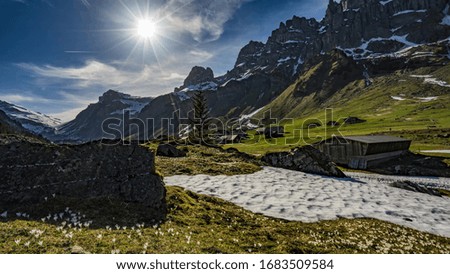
(401, 104)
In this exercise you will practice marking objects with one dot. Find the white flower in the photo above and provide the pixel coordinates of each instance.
(27, 244)
(40, 243)
(17, 241)
(69, 235)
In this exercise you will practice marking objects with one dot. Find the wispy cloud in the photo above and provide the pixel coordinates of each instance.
(20, 97)
(95, 75)
(86, 3)
(204, 20)
(68, 105)
(20, 1)
(78, 51)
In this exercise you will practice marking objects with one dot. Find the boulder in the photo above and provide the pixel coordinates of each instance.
(353, 120)
(306, 159)
(32, 172)
(333, 124)
(168, 150)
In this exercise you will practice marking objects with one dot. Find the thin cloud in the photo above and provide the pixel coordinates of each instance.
(201, 55)
(17, 98)
(86, 3)
(204, 20)
(78, 51)
(98, 76)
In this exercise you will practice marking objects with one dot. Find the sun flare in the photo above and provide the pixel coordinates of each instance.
(146, 28)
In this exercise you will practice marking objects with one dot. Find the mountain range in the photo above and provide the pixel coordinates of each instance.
(304, 65)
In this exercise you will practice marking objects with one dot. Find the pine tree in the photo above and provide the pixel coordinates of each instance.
(199, 121)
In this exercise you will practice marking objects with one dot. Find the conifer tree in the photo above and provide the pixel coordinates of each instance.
(200, 117)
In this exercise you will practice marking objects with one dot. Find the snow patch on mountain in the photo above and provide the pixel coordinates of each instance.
(384, 3)
(398, 98)
(446, 19)
(134, 107)
(427, 99)
(435, 81)
(37, 117)
(429, 79)
(408, 11)
(182, 95)
(33, 121)
(297, 65)
(201, 87)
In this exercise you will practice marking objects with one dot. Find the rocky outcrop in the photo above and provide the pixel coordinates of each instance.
(411, 164)
(199, 75)
(168, 150)
(306, 159)
(199, 78)
(32, 172)
(353, 120)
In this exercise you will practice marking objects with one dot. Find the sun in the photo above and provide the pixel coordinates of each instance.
(146, 28)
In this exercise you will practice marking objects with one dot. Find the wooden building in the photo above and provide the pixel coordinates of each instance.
(362, 152)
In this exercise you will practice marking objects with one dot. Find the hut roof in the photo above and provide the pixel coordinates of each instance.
(376, 139)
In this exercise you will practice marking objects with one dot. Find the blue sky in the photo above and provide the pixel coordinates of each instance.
(57, 56)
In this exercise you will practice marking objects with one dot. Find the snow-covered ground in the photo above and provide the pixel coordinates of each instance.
(437, 151)
(298, 196)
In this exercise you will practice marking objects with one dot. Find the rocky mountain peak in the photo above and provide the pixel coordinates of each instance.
(199, 75)
(112, 95)
(199, 78)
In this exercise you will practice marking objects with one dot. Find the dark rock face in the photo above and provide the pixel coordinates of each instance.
(168, 150)
(359, 27)
(352, 21)
(32, 171)
(198, 75)
(306, 159)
